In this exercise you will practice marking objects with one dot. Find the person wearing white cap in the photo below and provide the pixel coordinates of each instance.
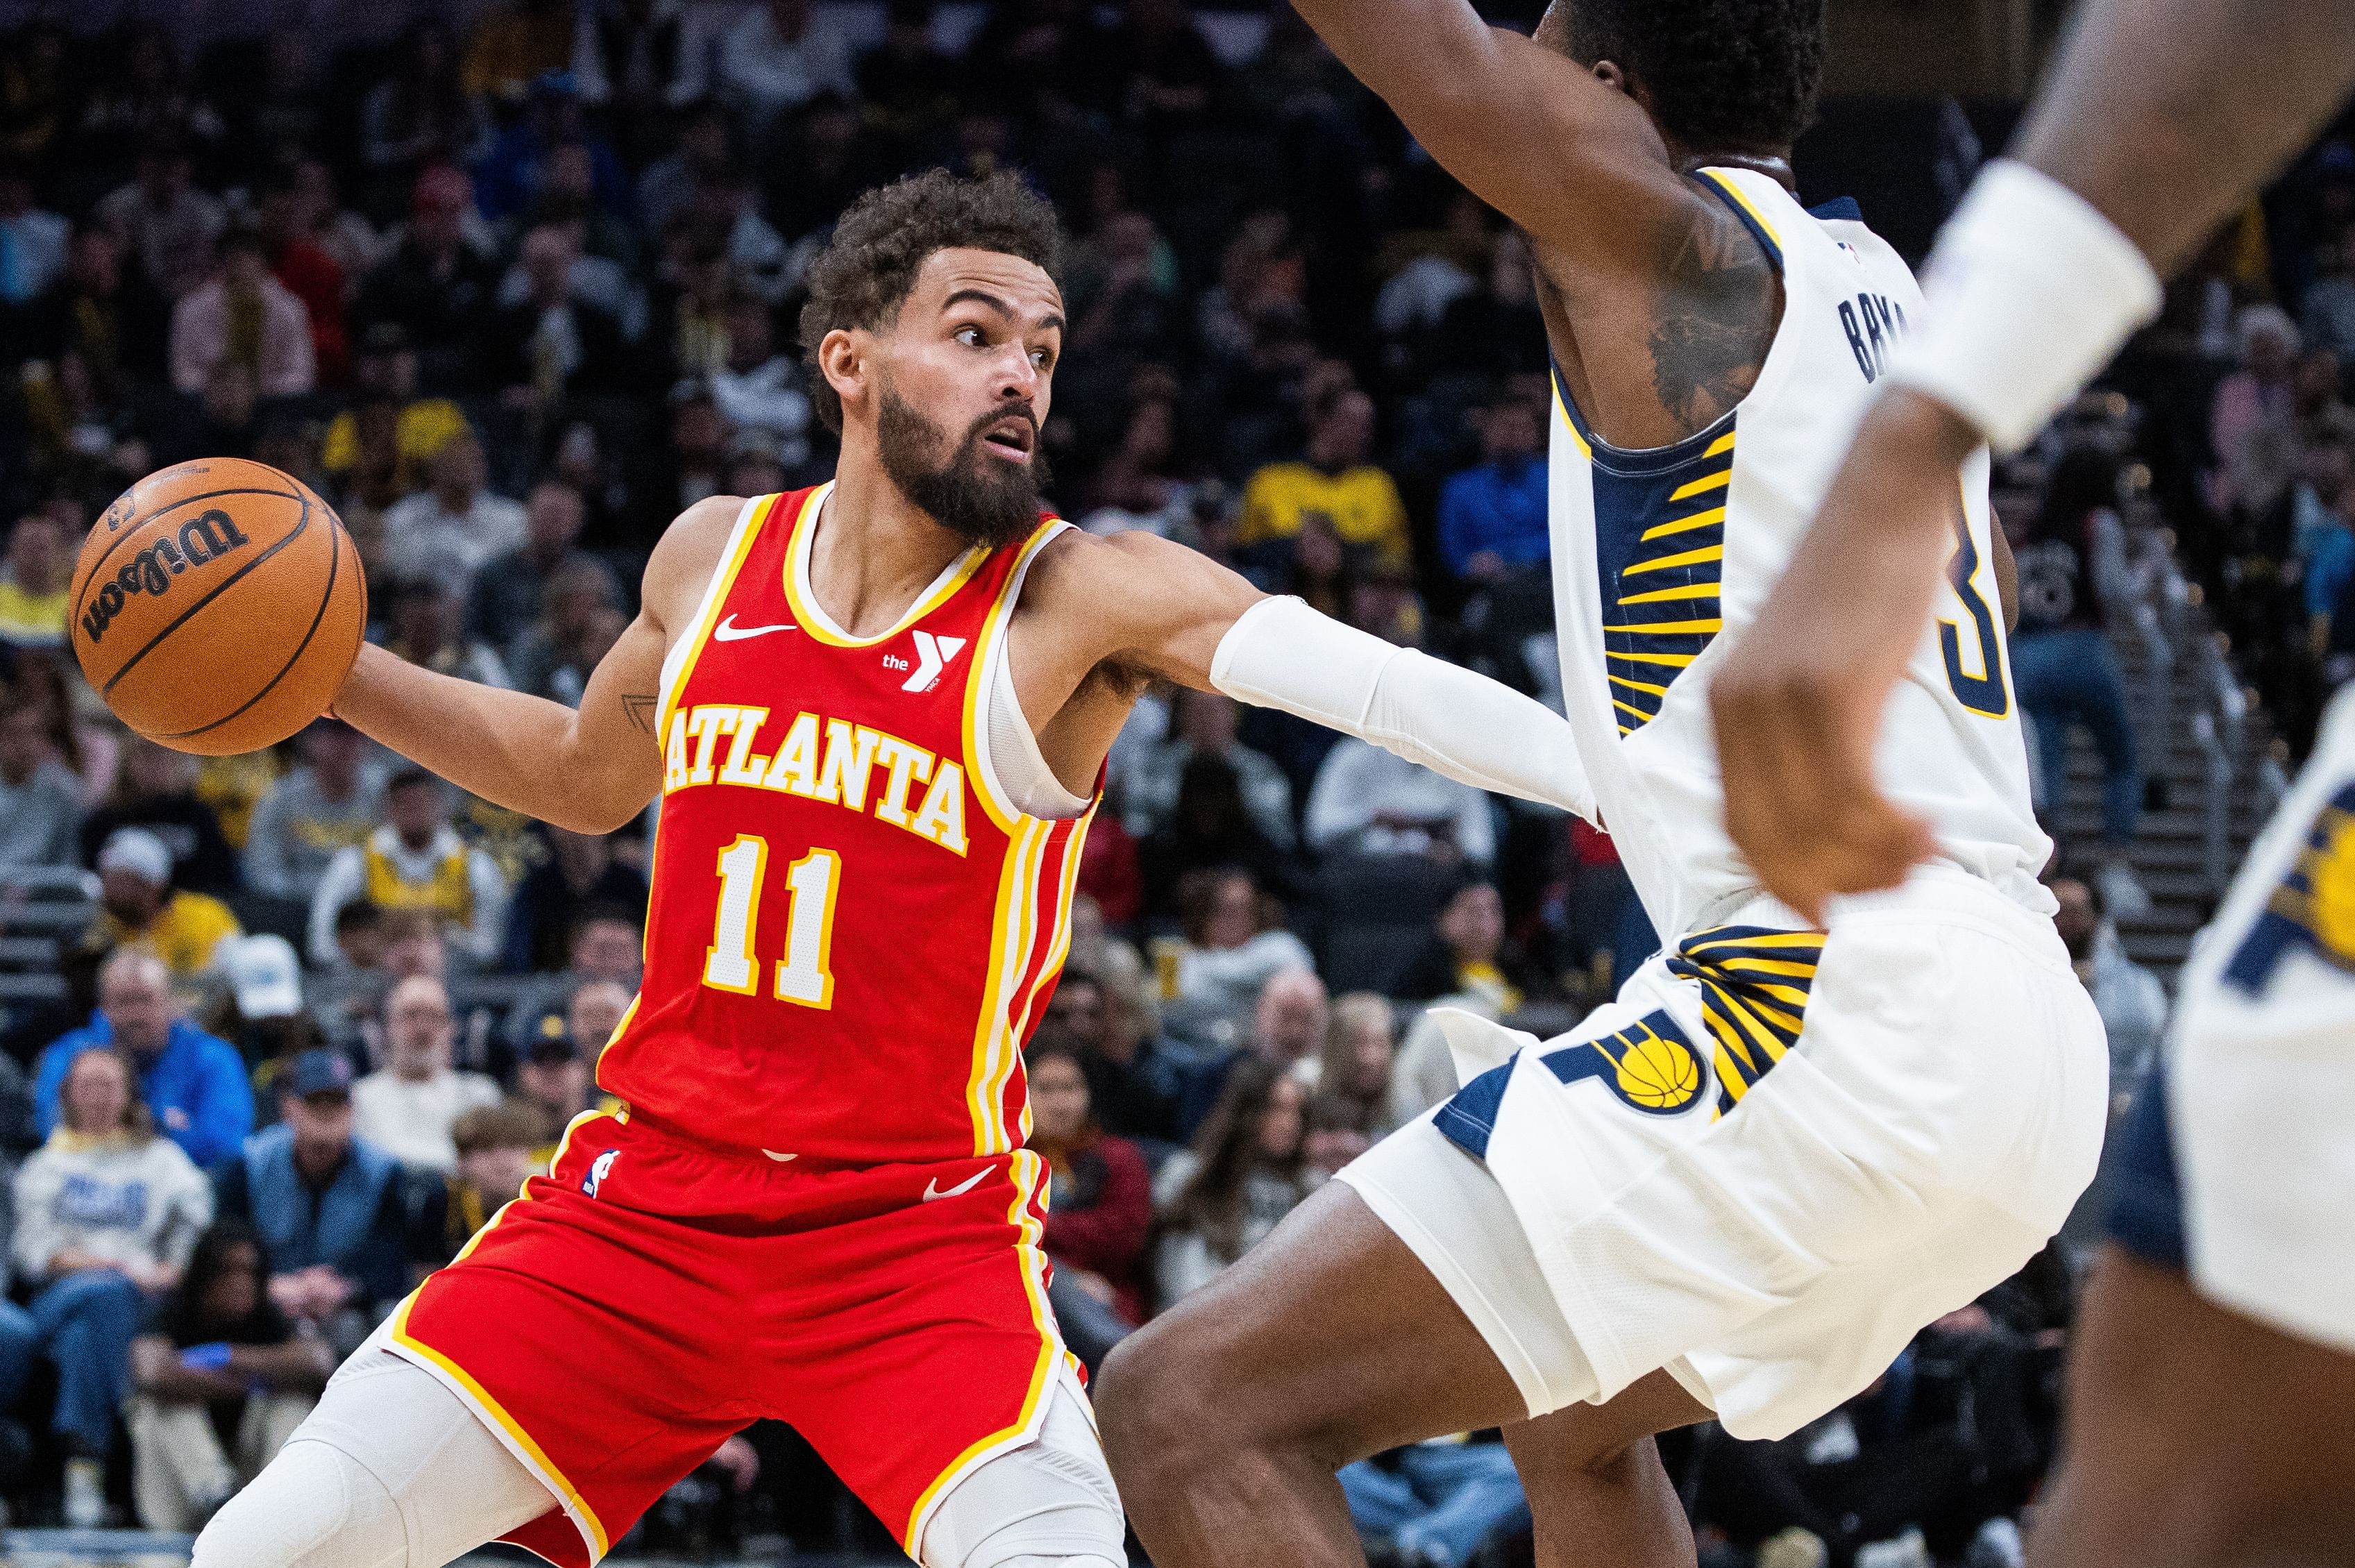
(138, 904)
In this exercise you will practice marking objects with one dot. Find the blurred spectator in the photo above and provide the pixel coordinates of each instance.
(760, 388)
(698, 438)
(409, 1107)
(1334, 480)
(163, 221)
(911, 89)
(40, 801)
(579, 621)
(428, 627)
(1467, 954)
(1492, 519)
(312, 276)
(448, 530)
(603, 941)
(554, 1079)
(220, 1380)
(1293, 1022)
(626, 56)
(555, 339)
(581, 883)
(32, 242)
(2131, 1002)
(155, 790)
(2249, 402)
(1128, 1090)
(328, 804)
(138, 906)
(1219, 1199)
(434, 284)
(1436, 1504)
(422, 114)
(107, 1214)
(494, 1145)
(34, 580)
(506, 595)
(1229, 951)
(1101, 1203)
(192, 1084)
(776, 56)
(1208, 827)
(1354, 1063)
(2072, 568)
(1373, 802)
(2327, 314)
(1204, 725)
(671, 187)
(389, 425)
(330, 1208)
(517, 43)
(415, 862)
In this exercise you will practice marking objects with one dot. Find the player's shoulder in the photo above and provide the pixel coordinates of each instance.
(688, 553)
(1129, 580)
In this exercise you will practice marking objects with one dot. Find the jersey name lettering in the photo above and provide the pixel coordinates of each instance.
(1873, 323)
(831, 760)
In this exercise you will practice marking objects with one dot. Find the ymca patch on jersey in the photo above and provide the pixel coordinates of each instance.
(2313, 907)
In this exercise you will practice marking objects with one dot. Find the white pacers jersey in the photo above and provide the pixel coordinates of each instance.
(1662, 557)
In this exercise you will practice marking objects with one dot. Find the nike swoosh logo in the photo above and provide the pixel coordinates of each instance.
(933, 1193)
(728, 631)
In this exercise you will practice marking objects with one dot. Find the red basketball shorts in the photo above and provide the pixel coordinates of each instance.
(652, 1295)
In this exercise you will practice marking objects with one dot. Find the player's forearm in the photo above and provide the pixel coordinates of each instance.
(524, 753)
(2166, 114)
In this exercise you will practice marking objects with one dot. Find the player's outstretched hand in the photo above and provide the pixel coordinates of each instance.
(1799, 702)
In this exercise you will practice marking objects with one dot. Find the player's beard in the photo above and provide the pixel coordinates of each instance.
(987, 499)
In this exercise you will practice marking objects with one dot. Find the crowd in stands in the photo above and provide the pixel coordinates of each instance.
(511, 294)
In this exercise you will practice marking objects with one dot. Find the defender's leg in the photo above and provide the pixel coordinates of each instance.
(2229, 1445)
(1226, 1417)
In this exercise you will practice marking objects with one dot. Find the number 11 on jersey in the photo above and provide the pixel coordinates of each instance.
(804, 974)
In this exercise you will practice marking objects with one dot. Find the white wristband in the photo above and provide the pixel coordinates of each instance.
(2028, 293)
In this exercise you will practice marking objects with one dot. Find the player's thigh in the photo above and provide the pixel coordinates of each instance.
(1331, 1333)
(2196, 1435)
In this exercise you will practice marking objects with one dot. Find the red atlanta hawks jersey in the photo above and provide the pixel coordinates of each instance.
(852, 932)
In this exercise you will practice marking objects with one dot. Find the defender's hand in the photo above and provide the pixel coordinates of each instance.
(1799, 702)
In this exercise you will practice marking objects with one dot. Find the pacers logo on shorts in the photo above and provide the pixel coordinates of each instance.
(1754, 983)
(1650, 1066)
(2313, 909)
(598, 1170)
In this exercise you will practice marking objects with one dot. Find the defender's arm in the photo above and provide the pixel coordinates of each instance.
(589, 770)
(1530, 133)
(1165, 610)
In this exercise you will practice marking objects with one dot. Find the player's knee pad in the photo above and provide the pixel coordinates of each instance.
(314, 1507)
(1049, 1504)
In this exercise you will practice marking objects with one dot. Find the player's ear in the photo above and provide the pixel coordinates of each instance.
(847, 359)
(1608, 73)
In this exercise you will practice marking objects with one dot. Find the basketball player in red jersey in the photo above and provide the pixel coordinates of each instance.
(876, 715)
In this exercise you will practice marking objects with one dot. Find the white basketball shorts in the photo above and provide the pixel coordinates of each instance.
(2239, 1161)
(1774, 1159)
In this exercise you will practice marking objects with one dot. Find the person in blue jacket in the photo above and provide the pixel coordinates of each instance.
(195, 1086)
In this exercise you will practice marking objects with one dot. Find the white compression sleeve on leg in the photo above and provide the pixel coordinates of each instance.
(2026, 295)
(390, 1471)
(1282, 654)
(1047, 1504)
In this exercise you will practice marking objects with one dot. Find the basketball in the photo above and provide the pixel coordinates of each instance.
(217, 606)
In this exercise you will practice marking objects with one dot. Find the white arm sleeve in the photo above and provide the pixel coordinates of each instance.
(1281, 654)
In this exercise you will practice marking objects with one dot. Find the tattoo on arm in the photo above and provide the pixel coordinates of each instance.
(640, 706)
(1713, 319)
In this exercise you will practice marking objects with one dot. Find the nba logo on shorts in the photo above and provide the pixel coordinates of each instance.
(600, 1168)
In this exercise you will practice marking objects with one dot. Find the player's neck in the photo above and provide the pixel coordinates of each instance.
(874, 551)
(1774, 165)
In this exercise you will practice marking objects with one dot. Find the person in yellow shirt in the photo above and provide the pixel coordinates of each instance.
(384, 372)
(137, 905)
(33, 582)
(1335, 480)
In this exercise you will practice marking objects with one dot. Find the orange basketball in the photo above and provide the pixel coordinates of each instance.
(217, 606)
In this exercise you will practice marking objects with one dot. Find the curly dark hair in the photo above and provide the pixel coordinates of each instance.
(1723, 75)
(866, 270)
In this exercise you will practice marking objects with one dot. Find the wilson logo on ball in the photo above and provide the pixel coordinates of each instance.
(205, 539)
